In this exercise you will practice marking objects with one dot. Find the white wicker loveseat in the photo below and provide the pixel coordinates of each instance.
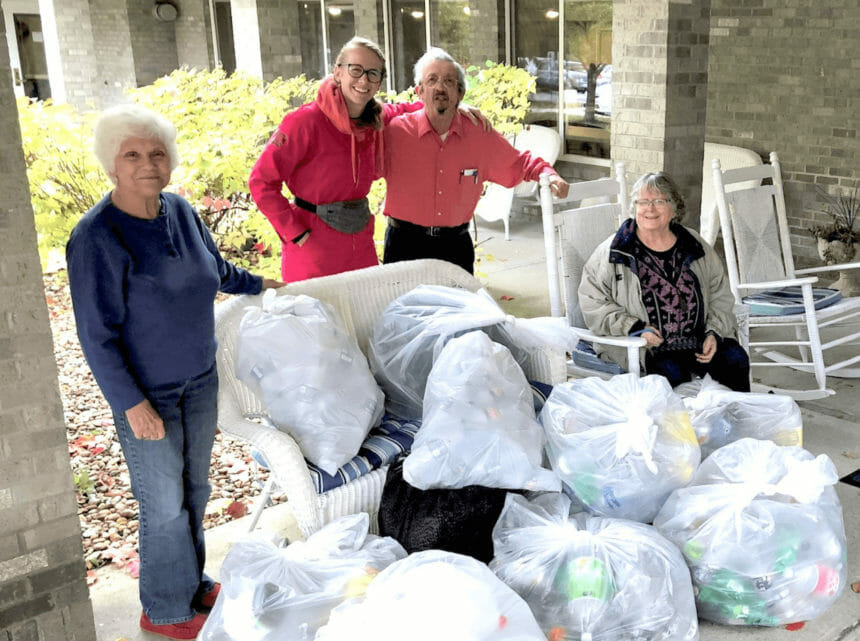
(359, 297)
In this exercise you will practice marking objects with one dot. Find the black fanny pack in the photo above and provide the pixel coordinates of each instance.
(347, 216)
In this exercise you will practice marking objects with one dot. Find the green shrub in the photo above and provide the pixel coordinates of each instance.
(223, 123)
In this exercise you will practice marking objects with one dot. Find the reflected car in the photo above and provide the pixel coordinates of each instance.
(575, 74)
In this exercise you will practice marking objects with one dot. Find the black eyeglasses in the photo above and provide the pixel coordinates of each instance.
(357, 71)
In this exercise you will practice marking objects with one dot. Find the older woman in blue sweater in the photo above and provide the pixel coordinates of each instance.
(143, 274)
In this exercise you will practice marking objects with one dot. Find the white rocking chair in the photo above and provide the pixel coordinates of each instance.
(570, 237)
(761, 268)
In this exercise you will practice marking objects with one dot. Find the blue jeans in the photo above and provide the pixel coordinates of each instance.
(170, 480)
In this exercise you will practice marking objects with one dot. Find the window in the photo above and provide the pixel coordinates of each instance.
(579, 87)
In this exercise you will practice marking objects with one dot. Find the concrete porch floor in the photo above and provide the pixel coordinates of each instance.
(516, 269)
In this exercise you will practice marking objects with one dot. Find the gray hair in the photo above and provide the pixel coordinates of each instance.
(118, 124)
(660, 182)
(433, 54)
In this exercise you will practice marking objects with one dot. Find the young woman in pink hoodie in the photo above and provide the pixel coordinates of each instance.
(328, 153)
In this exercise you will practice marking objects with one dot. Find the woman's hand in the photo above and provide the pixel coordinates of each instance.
(474, 114)
(652, 336)
(271, 283)
(709, 348)
(145, 422)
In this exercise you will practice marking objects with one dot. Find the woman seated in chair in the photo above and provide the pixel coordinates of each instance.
(661, 280)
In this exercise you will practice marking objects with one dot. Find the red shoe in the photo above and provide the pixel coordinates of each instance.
(185, 630)
(208, 600)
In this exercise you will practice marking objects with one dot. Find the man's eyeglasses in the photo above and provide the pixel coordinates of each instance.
(657, 202)
(357, 71)
(432, 81)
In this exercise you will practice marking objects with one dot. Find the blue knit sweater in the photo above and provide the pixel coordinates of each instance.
(143, 293)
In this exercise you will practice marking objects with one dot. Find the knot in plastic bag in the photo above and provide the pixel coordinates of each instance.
(803, 481)
(637, 435)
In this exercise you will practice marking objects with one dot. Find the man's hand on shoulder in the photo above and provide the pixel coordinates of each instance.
(559, 186)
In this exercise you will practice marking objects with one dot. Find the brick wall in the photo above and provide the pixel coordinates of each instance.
(77, 65)
(153, 43)
(113, 56)
(43, 591)
(280, 41)
(194, 35)
(783, 76)
(659, 64)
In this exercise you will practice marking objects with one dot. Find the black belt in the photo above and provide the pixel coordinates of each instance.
(304, 204)
(436, 232)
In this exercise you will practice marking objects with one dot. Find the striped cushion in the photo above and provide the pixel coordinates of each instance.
(789, 300)
(385, 444)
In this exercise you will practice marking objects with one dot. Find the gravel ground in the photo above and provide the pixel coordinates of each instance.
(106, 508)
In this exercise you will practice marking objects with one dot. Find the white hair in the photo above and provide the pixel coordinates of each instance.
(433, 54)
(118, 124)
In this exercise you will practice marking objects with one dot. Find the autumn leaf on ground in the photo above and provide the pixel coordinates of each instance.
(237, 509)
(91, 577)
(132, 566)
(850, 454)
(856, 586)
(793, 627)
(506, 297)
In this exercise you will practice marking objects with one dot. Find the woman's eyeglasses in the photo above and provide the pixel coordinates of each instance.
(657, 202)
(357, 71)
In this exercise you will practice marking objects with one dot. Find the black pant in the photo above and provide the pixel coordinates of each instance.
(729, 366)
(412, 243)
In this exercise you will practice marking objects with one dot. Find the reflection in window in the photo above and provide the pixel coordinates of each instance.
(581, 86)
(408, 34)
(536, 51)
(313, 65)
(341, 27)
(588, 73)
(472, 31)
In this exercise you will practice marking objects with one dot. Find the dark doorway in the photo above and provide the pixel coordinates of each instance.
(31, 51)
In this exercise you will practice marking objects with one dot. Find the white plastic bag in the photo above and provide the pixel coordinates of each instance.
(479, 425)
(414, 328)
(620, 445)
(720, 415)
(434, 596)
(313, 378)
(590, 577)
(761, 528)
(270, 592)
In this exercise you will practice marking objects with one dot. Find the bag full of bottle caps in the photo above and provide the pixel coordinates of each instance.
(761, 529)
(721, 415)
(620, 445)
(590, 578)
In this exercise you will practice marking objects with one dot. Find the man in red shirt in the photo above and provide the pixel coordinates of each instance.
(436, 162)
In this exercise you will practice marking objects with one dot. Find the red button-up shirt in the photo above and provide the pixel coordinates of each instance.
(437, 183)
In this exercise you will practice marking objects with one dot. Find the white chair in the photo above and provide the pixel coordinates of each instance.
(359, 297)
(570, 237)
(730, 157)
(761, 266)
(497, 202)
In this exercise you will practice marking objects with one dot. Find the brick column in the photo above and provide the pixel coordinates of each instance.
(660, 63)
(113, 55)
(43, 590)
(69, 50)
(267, 37)
(194, 35)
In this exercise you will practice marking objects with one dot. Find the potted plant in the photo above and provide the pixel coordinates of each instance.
(836, 240)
